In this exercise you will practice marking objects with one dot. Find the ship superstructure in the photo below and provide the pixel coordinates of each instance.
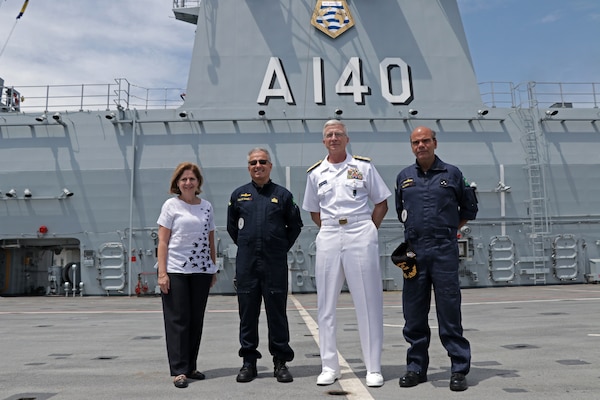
(85, 168)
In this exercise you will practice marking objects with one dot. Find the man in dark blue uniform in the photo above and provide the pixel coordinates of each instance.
(433, 201)
(264, 222)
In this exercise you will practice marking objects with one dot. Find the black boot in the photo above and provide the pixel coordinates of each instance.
(281, 372)
(247, 372)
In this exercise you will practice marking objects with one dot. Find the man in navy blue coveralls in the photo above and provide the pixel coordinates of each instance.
(264, 221)
(433, 201)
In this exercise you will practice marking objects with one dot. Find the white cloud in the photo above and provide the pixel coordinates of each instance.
(93, 41)
(549, 18)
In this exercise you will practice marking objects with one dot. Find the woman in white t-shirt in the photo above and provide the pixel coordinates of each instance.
(186, 269)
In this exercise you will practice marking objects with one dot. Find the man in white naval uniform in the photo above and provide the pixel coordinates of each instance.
(338, 190)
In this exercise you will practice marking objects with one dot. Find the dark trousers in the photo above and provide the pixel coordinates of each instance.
(183, 312)
(251, 290)
(437, 265)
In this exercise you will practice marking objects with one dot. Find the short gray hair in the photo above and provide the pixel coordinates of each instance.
(335, 122)
(259, 150)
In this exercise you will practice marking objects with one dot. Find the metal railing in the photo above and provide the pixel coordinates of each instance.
(547, 94)
(123, 94)
(186, 3)
(82, 97)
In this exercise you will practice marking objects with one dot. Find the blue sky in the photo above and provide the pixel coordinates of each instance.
(96, 41)
(533, 40)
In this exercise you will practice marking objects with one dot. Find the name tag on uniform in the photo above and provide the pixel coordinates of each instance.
(322, 183)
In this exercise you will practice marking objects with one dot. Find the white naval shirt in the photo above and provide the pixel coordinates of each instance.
(344, 189)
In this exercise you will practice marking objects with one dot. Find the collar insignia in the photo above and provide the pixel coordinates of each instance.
(332, 17)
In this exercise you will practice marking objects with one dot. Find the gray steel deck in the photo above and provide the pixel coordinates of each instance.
(528, 343)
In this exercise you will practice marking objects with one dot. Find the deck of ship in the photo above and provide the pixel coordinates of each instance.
(537, 342)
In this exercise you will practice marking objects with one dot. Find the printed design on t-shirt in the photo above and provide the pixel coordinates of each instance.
(200, 253)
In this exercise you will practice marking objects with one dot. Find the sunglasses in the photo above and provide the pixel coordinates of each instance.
(261, 162)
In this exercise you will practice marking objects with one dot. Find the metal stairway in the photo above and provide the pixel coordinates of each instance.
(538, 202)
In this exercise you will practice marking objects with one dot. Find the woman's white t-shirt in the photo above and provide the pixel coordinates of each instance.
(190, 224)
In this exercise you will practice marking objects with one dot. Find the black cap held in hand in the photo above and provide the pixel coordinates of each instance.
(406, 259)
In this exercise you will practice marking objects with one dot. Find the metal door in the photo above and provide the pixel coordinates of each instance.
(111, 267)
(501, 259)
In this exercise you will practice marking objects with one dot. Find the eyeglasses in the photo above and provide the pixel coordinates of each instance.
(336, 134)
(261, 162)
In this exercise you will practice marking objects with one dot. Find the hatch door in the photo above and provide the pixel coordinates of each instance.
(502, 259)
(111, 267)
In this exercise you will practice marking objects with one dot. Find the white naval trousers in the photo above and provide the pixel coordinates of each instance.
(349, 252)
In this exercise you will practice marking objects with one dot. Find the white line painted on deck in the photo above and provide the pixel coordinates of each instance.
(349, 382)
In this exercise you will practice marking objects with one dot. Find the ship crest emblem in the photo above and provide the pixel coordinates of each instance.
(332, 17)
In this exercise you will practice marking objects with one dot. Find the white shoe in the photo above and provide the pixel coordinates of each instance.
(328, 377)
(374, 379)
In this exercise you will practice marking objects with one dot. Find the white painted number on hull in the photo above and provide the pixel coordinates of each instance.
(276, 84)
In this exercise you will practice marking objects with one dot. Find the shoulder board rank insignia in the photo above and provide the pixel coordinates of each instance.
(315, 165)
(332, 17)
(361, 158)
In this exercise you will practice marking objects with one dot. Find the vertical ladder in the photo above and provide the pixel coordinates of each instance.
(538, 202)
